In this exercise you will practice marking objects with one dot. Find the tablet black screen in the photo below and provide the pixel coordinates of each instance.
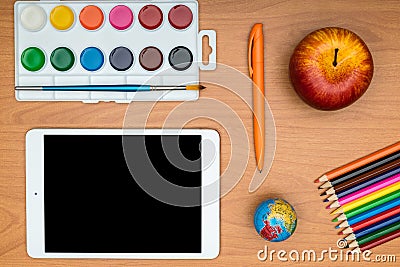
(92, 204)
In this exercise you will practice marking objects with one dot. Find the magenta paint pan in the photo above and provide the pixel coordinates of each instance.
(61, 43)
(121, 17)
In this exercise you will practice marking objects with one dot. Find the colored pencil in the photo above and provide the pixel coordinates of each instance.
(341, 217)
(368, 206)
(369, 213)
(359, 163)
(350, 237)
(384, 169)
(362, 181)
(374, 235)
(373, 227)
(329, 191)
(379, 241)
(366, 195)
(374, 219)
(364, 184)
(367, 198)
(365, 191)
(360, 171)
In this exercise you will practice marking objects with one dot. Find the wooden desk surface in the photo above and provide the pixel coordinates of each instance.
(309, 142)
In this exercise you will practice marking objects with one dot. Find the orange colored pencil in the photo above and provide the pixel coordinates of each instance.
(359, 163)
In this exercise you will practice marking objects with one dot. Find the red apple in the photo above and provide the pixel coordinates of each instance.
(331, 68)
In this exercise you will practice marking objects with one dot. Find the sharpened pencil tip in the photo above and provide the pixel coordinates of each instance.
(325, 185)
(337, 227)
(337, 211)
(335, 220)
(334, 204)
(326, 200)
(340, 233)
(323, 194)
(321, 179)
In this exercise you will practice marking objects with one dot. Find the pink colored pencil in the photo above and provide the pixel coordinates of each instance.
(369, 189)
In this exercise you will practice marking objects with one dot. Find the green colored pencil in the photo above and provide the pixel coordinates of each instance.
(378, 233)
(341, 217)
(370, 205)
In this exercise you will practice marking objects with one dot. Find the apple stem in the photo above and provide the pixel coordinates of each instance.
(335, 59)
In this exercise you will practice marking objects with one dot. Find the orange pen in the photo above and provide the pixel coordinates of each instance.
(256, 70)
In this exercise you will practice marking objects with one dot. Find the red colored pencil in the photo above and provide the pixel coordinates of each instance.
(379, 241)
(374, 219)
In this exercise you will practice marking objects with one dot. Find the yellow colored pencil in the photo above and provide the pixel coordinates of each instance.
(371, 197)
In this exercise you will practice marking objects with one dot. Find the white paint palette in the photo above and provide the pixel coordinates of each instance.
(88, 43)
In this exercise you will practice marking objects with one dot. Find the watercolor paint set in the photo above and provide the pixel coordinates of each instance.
(99, 43)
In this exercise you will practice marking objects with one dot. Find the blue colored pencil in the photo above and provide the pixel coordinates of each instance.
(374, 211)
(373, 227)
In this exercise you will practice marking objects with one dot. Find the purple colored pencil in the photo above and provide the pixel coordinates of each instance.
(370, 189)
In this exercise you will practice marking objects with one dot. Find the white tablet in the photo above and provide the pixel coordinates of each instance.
(112, 193)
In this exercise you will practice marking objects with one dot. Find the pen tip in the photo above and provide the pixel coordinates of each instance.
(202, 87)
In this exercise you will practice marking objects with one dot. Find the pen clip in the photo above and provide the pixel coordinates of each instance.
(250, 52)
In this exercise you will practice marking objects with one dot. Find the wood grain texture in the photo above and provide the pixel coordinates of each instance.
(309, 142)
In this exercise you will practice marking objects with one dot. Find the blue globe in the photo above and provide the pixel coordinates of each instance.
(275, 220)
